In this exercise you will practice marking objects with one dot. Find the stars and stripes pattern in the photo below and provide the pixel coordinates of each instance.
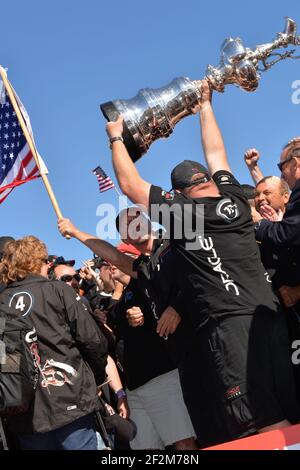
(105, 182)
(17, 165)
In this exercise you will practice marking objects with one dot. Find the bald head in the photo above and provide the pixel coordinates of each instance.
(275, 180)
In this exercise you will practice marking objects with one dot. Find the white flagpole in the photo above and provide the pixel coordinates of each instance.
(121, 196)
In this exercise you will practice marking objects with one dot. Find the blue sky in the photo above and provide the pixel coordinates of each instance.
(64, 58)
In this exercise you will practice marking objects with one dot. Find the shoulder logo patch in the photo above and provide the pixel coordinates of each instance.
(168, 196)
(225, 179)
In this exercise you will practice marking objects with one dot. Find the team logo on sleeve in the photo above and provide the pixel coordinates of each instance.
(224, 179)
(228, 210)
(167, 196)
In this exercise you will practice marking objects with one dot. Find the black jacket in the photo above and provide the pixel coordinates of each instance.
(72, 352)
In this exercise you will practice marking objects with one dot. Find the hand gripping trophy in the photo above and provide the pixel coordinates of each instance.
(153, 113)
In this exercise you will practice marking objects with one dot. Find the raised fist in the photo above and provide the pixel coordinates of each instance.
(251, 157)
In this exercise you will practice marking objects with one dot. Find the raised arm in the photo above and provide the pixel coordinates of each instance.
(251, 157)
(129, 179)
(98, 246)
(212, 140)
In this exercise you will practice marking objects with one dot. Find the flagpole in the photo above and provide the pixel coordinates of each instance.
(121, 195)
(104, 175)
(29, 139)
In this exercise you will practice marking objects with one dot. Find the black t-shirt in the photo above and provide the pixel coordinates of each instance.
(218, 261)
(144, 356)
(155, 275)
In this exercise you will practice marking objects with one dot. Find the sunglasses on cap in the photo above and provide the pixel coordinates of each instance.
(204, 179)
(69, 278)
(294, 153)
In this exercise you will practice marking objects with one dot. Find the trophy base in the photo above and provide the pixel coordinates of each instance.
(111, 113)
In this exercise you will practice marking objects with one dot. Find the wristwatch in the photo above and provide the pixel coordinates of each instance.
(115, 139)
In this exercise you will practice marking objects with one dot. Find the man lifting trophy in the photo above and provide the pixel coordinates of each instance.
(153, 113)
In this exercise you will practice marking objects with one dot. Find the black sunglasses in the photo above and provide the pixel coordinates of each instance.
(69, 277)
(294, 153)
(280, 165)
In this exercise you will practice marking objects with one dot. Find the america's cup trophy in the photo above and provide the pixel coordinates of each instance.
(153, 113)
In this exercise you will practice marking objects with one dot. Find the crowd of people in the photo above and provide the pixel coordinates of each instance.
(178, 338)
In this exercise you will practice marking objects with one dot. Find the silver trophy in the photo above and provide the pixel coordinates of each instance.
(153, 113)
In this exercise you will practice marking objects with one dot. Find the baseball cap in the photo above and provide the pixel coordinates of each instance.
(3, 241)
(57, 260)
(182, 174)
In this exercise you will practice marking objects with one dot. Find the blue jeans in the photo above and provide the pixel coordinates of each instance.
(78, 435)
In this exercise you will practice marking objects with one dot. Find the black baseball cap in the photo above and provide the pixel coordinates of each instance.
(3, 241)
(182, 174)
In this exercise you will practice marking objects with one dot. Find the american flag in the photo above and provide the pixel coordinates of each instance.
(105, 182)
(17, 165)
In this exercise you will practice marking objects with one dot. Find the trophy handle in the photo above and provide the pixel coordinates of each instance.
(290, 28)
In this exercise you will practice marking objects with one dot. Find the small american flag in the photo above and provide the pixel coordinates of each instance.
(105, 182)
(17, 165)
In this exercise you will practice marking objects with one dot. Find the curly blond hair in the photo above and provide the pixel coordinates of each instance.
(22, 257)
